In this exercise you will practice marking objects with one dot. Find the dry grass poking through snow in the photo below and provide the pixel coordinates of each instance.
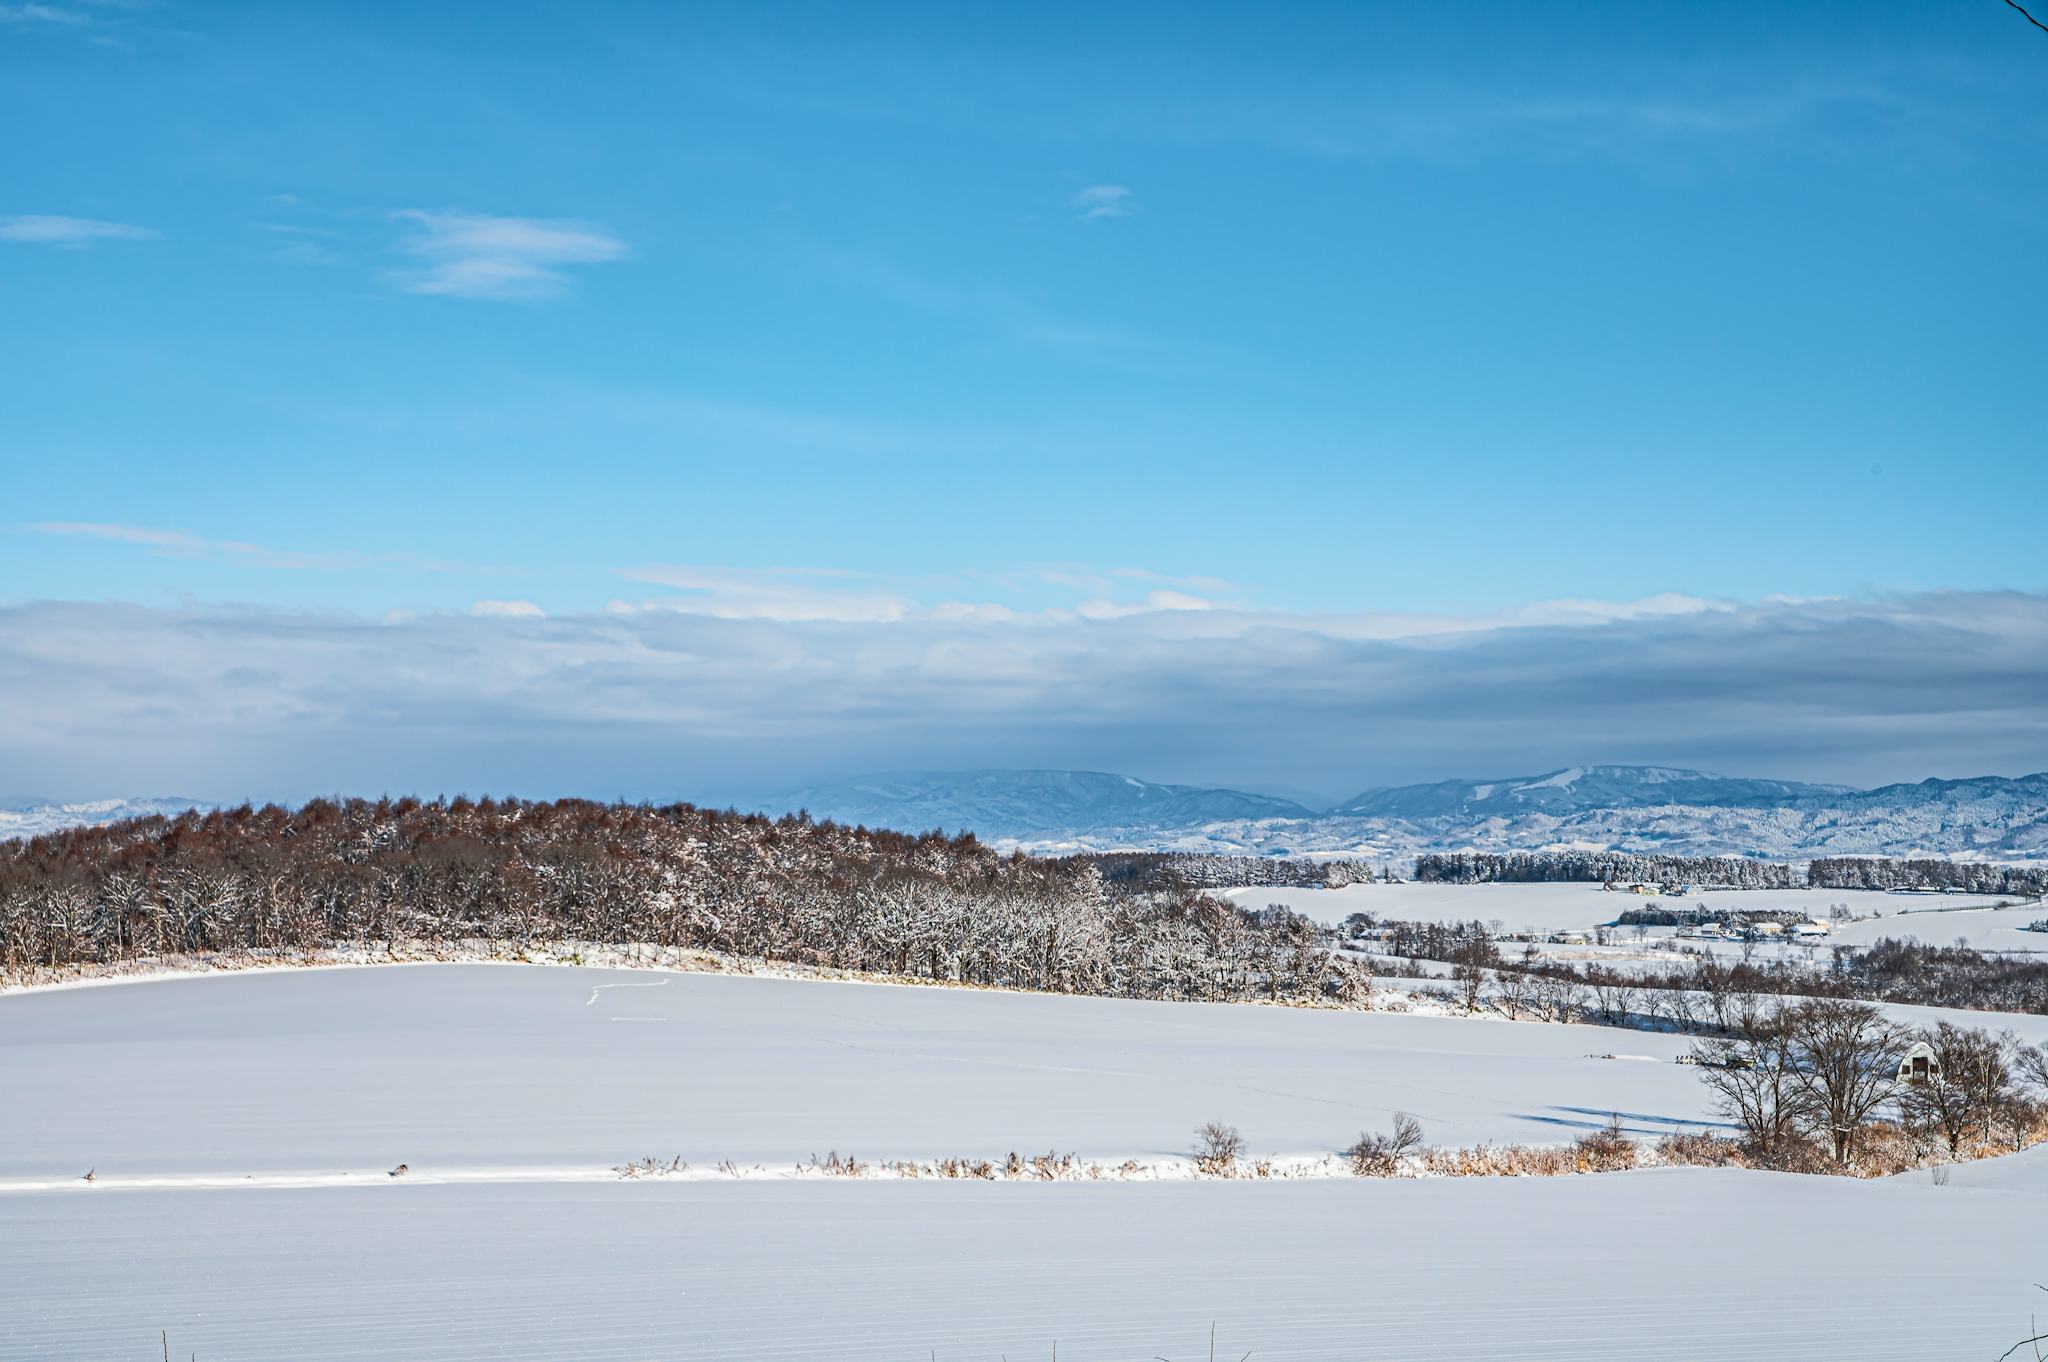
(1219, 1153)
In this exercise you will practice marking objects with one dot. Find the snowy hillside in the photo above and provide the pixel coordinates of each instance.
(253, 1214)
(31, 818)
(1620, 808)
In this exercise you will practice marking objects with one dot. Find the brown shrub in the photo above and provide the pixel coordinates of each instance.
(1700, 1150)
(1792, 1154)
(1607, 1150)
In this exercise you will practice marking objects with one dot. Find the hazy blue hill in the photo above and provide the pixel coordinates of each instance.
(1582, 787)
(1022, 804)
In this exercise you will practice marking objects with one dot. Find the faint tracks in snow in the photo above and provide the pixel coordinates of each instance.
(658, 983)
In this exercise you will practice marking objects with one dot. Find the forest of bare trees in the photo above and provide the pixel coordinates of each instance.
(1186, 870)
(343, 872)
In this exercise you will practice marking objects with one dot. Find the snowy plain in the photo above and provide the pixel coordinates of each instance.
(1581, 907)
(534, 1079)
(1861, 917)
(468, 1067)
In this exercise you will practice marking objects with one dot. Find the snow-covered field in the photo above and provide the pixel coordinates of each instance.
(454, 1067)
(533, 1078)
(1939, 923)
(1680, 1265)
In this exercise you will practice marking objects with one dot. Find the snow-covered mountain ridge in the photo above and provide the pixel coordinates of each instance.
(1620, 808)
(33, 818)
(1581, 787)
(1603, 808)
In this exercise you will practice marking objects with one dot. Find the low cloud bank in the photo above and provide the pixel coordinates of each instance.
(103, 698)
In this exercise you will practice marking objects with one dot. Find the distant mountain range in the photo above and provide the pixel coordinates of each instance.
(1598, 808)
(1578, 788)
(1619, 808)
(1015, 805)
(21, 817)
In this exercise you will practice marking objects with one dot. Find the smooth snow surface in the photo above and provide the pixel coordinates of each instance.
(1942, 924)
(450, 1067)
(473, 1073)
(1682, 1265)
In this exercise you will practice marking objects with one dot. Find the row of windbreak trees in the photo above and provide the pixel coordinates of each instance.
(1604, 867)
(1702, 992)
(1824, 1074)
(356, 872)
(1837, 872)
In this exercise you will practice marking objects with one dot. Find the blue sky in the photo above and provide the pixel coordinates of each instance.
(907, 316)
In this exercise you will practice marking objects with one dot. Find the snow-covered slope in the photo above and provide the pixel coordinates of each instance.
(31, 818)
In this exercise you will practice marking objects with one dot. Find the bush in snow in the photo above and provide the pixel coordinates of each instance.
(1217, 1149)
(1607, 1150)
(1377, 1155)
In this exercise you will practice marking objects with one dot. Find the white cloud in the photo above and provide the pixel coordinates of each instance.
(798, 594)
(47, 229)
(1105, 201)
(507, 610)
(1594, 612)
(1153, 601)
(472, 255)
(783, 594)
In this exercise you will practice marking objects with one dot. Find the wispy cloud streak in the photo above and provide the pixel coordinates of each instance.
(48, 229)
(1105, 201)
(504, 259)
(183, 544)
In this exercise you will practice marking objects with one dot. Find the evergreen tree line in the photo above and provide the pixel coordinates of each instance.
(360, 872)
(1835, 872)
(1604, 867)
(1970, 877)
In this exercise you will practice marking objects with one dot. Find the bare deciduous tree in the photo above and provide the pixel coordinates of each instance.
(1846, 1058)
(1973, 1081)
(1753, 1077)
